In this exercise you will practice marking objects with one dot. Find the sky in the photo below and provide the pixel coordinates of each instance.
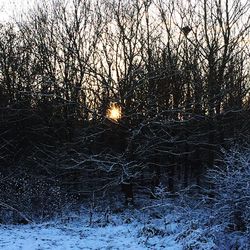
(13, 8)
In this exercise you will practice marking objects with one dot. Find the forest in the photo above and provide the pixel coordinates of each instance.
(119, 103)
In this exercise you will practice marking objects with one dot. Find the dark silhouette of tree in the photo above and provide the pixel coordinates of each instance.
(180, 73)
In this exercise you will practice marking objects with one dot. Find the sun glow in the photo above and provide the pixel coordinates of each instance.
(114, 112)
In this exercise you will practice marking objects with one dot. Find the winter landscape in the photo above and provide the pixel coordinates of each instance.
(125, 124)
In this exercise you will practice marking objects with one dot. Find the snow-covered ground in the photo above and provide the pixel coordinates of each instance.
(164, 225)
(76, 236)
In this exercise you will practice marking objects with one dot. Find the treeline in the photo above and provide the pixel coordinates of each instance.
(179, 71)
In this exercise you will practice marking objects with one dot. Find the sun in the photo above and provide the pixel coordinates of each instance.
(114, 112)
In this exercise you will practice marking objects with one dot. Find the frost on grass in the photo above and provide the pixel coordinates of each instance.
(157, 226)
(154, 226)
(118, 234)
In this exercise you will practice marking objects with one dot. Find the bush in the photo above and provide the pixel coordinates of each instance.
(30, 197)
(231, 186)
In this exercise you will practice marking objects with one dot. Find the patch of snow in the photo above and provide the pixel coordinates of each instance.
(79, 236)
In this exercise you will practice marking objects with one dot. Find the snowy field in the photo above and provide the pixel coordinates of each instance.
(126, 230)
(154, 234)
(78, 235)
(159, 225)
(74, 236)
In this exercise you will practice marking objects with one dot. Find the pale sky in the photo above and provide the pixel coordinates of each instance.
(11, 8)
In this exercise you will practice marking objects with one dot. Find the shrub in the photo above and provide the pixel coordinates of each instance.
(231, 185)
(30, 197)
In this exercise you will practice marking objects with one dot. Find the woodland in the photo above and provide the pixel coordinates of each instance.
(113, 100)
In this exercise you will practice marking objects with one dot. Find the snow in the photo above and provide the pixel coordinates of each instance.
(167, 224)
(75, 235)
